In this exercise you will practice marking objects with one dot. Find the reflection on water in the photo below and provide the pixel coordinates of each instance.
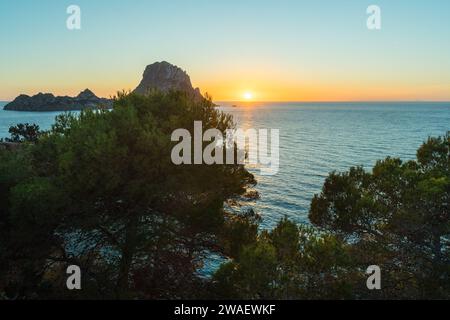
(317, 138)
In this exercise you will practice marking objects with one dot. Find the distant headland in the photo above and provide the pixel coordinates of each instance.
(48, 102)
(161, 76)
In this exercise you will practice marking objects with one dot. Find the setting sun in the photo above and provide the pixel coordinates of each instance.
(248, 96)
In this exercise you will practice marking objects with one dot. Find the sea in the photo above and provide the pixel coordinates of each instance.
(315, 139)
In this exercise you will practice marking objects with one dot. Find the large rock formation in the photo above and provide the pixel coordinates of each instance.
(48, 102)
(161, 76)
(164, 77)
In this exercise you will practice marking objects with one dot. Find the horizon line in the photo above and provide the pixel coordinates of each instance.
(333, 101)
(318, 101)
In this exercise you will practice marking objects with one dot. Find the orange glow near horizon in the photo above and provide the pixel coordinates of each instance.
(326, 92)
(265, 91)
(255, 80)
(255, 84)
(264, 83)
(331, 94)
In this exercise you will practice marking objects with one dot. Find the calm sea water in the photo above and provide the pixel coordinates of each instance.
(11, 118)
(315, 139)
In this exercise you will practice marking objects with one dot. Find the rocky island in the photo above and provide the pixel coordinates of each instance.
(161, 76)
(164, 77)
(48, 102)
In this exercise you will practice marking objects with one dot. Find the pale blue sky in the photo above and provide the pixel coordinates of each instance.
(297, 50)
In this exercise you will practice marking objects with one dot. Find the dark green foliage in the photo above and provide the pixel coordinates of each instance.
(400, 215)
(396, 217)
(101, 192)
(24, 132)
(290, 262)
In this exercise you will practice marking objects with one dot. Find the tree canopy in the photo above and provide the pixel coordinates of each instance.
(99, 190)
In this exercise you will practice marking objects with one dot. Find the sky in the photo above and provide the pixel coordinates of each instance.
(277, 50)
